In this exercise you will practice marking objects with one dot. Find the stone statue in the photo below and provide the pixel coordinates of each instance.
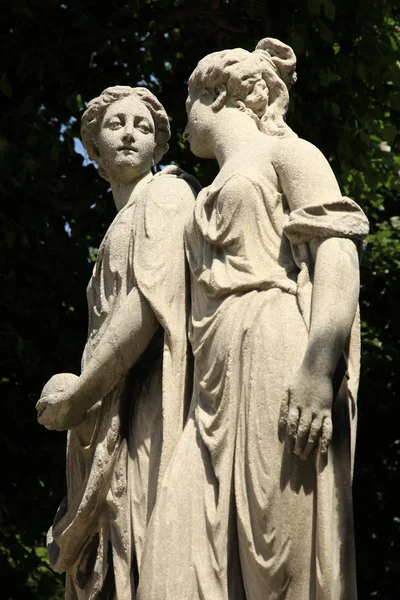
(127, 409)
(256, 501)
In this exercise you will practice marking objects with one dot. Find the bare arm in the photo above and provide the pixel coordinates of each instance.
(334, 302)
(306, 411)
(128, 334)
(126, 338)
(160, 272)
(307, 179)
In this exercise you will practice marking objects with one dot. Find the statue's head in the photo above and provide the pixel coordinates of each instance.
(125, 130)
(257, 83)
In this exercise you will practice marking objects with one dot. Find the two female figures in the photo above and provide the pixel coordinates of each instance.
(256, 500)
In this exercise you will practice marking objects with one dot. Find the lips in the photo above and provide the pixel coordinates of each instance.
(130, 148)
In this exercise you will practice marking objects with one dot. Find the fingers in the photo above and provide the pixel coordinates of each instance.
(303, 428)
(302, 433)
(292, 426)
(47, 412)
(45, 417)
(314, 433)
(41, 405)
(326, 437)
(283, 416)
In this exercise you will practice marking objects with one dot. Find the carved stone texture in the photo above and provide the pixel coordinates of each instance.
(256, 502)
(127, 409)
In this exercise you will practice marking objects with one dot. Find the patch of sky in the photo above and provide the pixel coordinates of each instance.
(162, 167)
(64, 127)
(79, 149)
(78, 146)
(67, 228)
(151, 78)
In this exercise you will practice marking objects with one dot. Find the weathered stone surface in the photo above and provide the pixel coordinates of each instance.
(127, 409)
(253, 499)
(256, 501)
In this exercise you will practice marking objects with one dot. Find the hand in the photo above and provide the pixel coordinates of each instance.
(57, 407)
(306, 413)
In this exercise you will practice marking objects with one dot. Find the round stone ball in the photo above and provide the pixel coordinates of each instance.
(59, 383)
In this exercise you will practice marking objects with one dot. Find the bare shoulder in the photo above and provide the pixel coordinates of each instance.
(294, 150)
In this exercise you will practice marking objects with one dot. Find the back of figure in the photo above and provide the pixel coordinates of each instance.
(256, 502)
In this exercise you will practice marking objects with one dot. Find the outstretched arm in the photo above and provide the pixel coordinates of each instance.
(307, 179)
(128, 334)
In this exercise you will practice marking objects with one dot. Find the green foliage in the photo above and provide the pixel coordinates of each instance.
(57, 56)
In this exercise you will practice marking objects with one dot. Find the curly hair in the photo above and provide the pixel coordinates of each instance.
(93, 116)
(257, 82)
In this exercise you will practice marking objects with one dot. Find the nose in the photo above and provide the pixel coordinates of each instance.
(186, 134)
(129, 131)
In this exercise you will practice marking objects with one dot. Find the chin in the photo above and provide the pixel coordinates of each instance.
(200, 151)
(129, 170)
(128, 162)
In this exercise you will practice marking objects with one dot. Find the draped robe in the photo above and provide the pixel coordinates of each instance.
(117, 456)
(238, 516)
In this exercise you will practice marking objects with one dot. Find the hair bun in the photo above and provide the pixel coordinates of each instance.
(283, 58)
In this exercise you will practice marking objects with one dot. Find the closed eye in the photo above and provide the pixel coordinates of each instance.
(143, 125)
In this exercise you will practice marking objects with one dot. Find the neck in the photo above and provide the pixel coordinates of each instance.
(235, 133)
(123, 192)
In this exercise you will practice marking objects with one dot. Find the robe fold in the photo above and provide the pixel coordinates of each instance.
(117, 456)
(238, 516)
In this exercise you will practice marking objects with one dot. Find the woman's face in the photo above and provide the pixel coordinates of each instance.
(199, 125)
(126, 140)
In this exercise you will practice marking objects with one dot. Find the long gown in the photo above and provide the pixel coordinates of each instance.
(116, 457)
(238, 516)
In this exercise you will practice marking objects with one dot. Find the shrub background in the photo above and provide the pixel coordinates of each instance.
(55, 57)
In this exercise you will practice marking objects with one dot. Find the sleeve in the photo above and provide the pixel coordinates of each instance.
(340, 218)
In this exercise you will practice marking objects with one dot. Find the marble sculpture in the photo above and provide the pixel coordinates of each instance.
(246, 494)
